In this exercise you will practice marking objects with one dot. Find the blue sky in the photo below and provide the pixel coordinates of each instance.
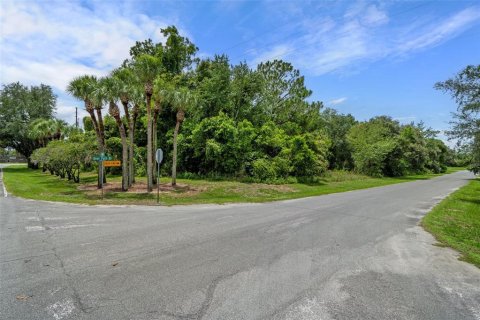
(361, 57)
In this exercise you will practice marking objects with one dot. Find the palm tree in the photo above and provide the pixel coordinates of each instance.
(125, 80)
(161, 94)
(42, 130)
(83, 88)
(137, 101)
(146, 68)
(110, 91)
(182, 101)
(97, 100)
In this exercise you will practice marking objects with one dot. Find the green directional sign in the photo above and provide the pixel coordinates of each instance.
(101, 157)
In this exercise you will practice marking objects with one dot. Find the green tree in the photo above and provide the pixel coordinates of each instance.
(147, 67)
(45, 130)
(111, 91)
(371, 143)
(221, 146)
(465, 89)
(182, 100)
(283, 93)
(19, 106)
(163, 89)
(178, 52)
(337, 127)
(244, 91)
(83, 88)
(129, 92)
(213, 86)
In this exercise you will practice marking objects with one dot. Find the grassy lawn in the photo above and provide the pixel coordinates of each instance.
(455, 222)
(23, 182)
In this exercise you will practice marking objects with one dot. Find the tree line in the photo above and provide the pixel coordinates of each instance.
(213, 118)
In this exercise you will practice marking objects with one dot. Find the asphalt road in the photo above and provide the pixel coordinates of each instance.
(354, 255)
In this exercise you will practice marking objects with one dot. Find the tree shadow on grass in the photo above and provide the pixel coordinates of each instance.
(128, 196)
(15, 169)
(475, 201)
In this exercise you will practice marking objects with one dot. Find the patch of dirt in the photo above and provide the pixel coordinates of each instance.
(22, 297)
(259, 188)
(141, 188)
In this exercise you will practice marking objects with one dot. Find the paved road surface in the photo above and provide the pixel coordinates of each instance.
(354, 255)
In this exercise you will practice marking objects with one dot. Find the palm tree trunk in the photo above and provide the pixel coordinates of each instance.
(99, 141)
(149, 145)
(132, 137)
(154, 148)
(115, 113)
(131, 173)
(101, 129)
(155, 143)
(130, 141)
(124, 156)
(174, 160)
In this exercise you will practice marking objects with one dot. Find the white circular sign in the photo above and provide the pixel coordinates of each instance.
(159, 155)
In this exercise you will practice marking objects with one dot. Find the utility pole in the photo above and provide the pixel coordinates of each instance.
(76, 117)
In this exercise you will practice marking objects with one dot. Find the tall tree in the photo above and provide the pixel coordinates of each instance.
(245, 88)
(283, 93)
(465, 89)
(372, 143)
(127, 88)
(147, 67)
(178, 52)
(337, 127)
(19, 106)
(111, 91)
(84, 88)
(182, 100)
(162, 92)
(213, 86)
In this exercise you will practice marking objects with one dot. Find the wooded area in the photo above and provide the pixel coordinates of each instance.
(214, 119)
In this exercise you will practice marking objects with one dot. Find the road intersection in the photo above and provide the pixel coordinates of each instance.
(352, 255)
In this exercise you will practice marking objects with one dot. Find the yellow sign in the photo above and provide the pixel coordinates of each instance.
(112, 163)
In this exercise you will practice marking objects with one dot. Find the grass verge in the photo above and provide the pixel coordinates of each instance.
(455, 222)
(33, 184)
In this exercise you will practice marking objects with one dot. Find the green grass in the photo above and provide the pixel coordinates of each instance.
(33, 184)
(455, 222)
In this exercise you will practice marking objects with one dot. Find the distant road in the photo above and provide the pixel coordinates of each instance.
(353, 255)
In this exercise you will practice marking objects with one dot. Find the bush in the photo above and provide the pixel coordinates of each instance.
(64, 158)
(263, 170)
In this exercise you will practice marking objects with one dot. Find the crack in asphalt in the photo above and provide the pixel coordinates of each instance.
(202, 311)
(75, 294)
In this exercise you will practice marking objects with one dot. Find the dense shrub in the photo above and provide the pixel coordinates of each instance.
(382, 147)
(64, 158)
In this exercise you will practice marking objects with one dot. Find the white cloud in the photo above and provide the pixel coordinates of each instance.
(338, 101)
(374, 16)
(405, 119)
(277, 52)
(56, 73)
(53, 42)
(364, 34)
(439, 32)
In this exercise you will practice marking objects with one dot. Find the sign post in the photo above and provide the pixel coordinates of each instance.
(101, 158)
(100, 164)
(159, 158)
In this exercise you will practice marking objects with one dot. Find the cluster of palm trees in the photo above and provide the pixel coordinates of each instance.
(142, 84)
(45, 130)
